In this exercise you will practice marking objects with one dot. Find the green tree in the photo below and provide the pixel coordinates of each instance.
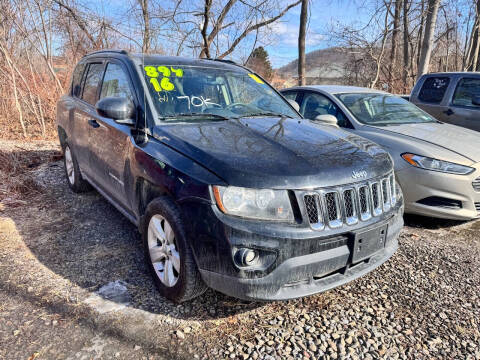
(259, 62)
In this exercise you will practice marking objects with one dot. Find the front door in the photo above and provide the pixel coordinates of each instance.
(463, 112)
(110, 142)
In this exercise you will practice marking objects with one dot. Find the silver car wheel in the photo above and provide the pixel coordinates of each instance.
(163, 251)
(69, 165)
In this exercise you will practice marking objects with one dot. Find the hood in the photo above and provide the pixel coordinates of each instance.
(459, 140)
(277, 153)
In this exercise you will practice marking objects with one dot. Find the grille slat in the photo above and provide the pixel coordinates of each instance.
(393, 190)
(476, 184)
(332, 207)
(312, 208)
(348, 205)
(477, 206)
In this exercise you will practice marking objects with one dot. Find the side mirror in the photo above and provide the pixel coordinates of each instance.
(327, 120)
(294, 104)
(119, 109)
(476, 100)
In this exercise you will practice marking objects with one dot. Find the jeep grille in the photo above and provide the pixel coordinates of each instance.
(349, 204)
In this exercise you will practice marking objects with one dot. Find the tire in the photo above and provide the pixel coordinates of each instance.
(161, 257)
(72, 171)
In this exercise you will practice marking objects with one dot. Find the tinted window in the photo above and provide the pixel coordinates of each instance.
(76, 79)
(291, 95)
(315, 104)
(433, 89)
(115, 82)
(466, 89)
(94, 75)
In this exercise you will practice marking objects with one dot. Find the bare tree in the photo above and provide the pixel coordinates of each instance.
(395, 34)
(249, 16)
(427, 42)
(146, 26)
(301, 42)
(471, 55)
(406, 44)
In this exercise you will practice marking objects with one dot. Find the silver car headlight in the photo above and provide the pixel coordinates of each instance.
(436, 165)
(263, 204)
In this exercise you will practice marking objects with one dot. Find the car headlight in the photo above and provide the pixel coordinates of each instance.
(436, 165)
(264, 204)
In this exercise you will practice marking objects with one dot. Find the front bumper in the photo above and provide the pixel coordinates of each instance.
(418, 184)
(305, 265)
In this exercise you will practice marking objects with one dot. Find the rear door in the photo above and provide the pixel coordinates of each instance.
(110, 141)
(85, 114)
(433, 96)
(463, 112)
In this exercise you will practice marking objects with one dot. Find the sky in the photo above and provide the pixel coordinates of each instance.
(282, 45)
(323, 14)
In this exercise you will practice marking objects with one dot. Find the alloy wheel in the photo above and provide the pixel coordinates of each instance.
(163, 250)
(69, 165)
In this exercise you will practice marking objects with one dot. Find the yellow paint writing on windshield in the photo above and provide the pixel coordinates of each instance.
(256, 78)
(164, 70)
(178, 72)
(155, 84)
(165, 84)
(151, 71)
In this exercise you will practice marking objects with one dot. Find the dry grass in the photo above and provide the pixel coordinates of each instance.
(16, 165)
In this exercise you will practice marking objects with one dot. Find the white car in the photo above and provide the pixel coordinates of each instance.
(436, 164)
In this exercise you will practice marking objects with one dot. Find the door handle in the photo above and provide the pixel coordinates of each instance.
(93, 123)
(449, 112)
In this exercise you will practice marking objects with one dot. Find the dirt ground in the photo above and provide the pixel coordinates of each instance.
(73, 285)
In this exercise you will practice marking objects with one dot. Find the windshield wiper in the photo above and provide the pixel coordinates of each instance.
(180, 115)
(268, 113)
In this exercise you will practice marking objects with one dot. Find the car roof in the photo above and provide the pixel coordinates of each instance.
(337, 89)
(140, 58)
(477, 73)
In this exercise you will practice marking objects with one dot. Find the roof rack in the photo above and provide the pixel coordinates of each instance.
(226, 61)
(232, 63)
(116, 51)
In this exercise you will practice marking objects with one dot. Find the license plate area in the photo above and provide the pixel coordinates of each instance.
(368, 242)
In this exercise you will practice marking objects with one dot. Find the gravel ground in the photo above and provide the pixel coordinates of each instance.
(73, 285)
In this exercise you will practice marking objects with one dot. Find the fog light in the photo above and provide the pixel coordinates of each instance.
(246, 257)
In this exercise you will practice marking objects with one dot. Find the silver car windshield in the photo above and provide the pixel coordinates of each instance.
(383, 109)
(190, 93)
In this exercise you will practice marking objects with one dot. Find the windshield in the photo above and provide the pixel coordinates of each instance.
(193, 92)
(383, 109)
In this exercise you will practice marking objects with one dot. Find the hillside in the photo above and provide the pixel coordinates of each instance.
(324, 66)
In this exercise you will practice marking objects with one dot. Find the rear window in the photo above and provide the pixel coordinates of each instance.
(466, 90)
(433, 89)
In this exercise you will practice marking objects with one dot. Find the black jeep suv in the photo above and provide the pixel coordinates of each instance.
(226, 182)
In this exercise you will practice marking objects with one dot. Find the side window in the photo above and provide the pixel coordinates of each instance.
(115, 83)
(290, 95)
(466, 90)
(434, 89)
(76, 80)
(94, 75)
(315, 104)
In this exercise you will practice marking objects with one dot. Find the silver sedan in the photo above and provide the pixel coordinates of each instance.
(436, 164)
